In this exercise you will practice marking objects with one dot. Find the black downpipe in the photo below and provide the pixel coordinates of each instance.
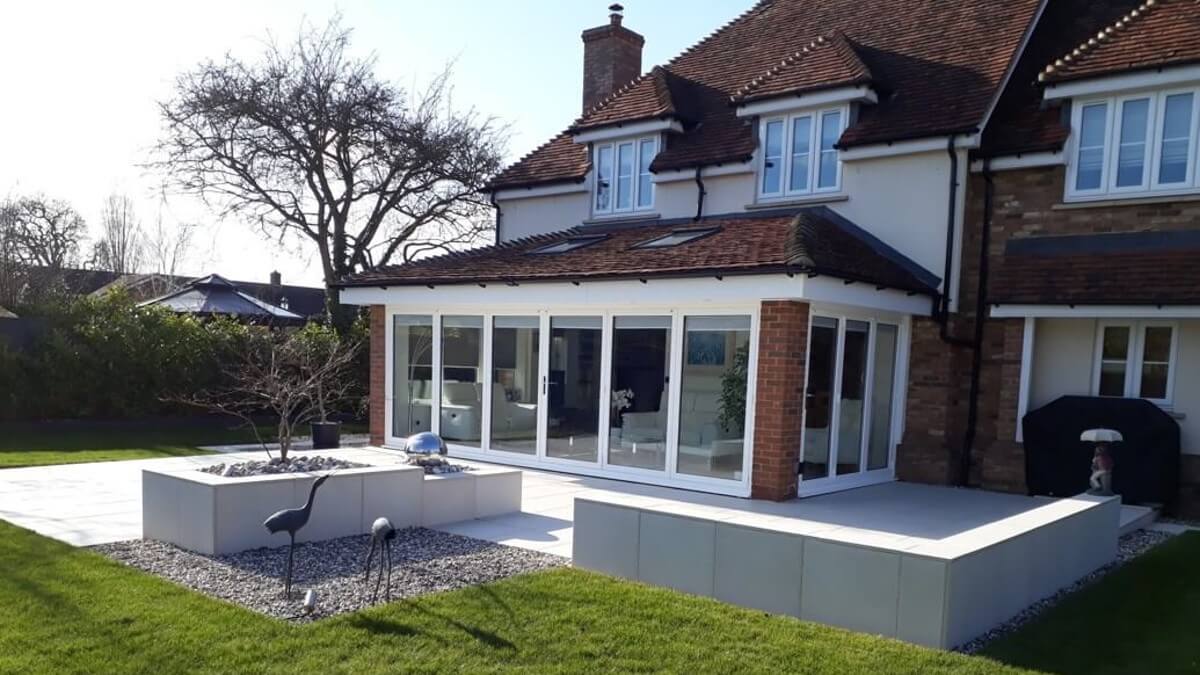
(941, 304)
(700, 194)
(964, 468)
(492, 199)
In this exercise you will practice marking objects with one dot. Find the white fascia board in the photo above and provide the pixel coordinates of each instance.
(632, 293)
(628, 130)
(1152, 79)
(705, 172)
(861, 94)
(937, 143)
(540, 191)
(1021, 161)
(1096, 311)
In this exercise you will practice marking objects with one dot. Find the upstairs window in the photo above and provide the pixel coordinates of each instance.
(623, 180)
(1135, 360)
(799, 157)
(1137, 145)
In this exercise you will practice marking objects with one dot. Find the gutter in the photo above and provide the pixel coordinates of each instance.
(941, 304)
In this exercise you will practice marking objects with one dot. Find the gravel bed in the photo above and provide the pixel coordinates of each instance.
(423, 561)
(1129, 547)
(276, 465)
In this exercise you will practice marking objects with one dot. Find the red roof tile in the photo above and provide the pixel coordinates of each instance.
(1142, 268)
(648, 97)
(941, 63)
(825, 63)
(1154, 34)
(812, 240)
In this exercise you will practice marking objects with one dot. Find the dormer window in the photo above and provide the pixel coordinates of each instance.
(623, 179)
(799, 156)
(1134, 145)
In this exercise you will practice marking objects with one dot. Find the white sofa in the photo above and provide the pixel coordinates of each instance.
(700, 433)
(462, 414)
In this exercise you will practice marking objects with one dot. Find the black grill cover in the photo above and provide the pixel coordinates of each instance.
(1146, 466)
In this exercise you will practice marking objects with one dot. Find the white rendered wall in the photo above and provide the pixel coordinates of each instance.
(1063, 356)
(539, 215)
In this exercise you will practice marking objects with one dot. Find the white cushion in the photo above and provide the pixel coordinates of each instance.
(459, 393)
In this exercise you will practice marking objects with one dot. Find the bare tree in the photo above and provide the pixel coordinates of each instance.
(309, 141)
(122, 243)
(47, 232)
(167, 248)
(296, 376)
(11, 277)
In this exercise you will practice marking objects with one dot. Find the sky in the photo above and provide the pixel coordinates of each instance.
(81, 83)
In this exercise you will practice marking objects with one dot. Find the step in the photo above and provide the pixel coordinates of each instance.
(1134, 518)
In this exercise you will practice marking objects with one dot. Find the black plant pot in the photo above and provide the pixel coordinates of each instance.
(326, 435)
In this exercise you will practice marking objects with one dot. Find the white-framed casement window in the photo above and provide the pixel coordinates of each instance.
(1135, 145)
(623, 183)
(799, 156)
(1136, 359)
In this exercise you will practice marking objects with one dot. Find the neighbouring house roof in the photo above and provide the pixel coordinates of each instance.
(937, 65)
(813, 240)
(306, 301)
(1138, 268)
(1155, 34)
(214, 295)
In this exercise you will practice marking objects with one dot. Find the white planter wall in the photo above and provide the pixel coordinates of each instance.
(216, 515)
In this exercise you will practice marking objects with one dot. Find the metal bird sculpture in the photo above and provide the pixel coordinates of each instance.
(290, 521)
(382, 534)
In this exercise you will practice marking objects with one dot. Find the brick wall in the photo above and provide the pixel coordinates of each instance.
(612, 58)
(1027, 203)
(778, 407)
(376, 398)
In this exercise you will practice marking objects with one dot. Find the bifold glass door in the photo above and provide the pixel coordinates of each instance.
(639, 392)
(573, 389)
(848, 399)
(516, 383)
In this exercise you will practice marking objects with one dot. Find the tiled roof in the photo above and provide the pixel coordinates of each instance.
(812, 240)
(1022, 122)
(648, 97)
(939, 65)
(824, 63)
(1154, 34)
(1142, 268)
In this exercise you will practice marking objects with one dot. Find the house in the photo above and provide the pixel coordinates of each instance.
(307, 301)
(214, 296)
(831, 244)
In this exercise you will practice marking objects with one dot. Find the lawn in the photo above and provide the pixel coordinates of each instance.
(1142, 618)
(35, 445)
(68, 610)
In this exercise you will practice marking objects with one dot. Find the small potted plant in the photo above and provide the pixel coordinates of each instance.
(327, 362)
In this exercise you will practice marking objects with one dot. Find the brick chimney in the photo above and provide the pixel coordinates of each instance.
(612, 57)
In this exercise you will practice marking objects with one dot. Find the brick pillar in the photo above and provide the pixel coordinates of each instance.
(779, 402)
(377, 399)
(1002, 461)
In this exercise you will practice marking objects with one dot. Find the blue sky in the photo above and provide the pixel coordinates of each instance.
(80, 82)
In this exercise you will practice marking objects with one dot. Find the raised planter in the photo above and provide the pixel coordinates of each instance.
(215, 515)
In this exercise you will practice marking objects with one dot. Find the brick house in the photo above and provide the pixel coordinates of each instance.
(829, 245)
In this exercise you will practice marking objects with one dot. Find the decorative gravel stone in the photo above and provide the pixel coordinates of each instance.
(435, 464)
(1129, 547)
(301, 464)
(423, 561)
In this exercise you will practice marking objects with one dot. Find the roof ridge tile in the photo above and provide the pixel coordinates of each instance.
(1101, 36)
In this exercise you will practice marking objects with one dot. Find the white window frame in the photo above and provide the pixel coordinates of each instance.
(1134, 357)
(1150, 185)
(814, 153)
(635, 145)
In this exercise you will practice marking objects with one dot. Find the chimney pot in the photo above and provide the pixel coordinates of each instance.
(276, 279)
(612, 58)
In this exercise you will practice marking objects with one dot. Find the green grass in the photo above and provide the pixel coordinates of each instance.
(1143, 618)
(65, 610)
(28, 445)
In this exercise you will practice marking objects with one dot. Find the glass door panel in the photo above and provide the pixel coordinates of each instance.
(818, 402)
(515, 383)
(462, 380)
(412, 374)
(573, 396)
(882, 392)
(712, 406)
(641, 360)
(851, 397)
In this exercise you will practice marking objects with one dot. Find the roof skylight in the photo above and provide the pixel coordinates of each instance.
(677, 237)
(570, 244)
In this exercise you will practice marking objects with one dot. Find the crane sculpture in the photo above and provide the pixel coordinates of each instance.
(290, 521)
(382, 534)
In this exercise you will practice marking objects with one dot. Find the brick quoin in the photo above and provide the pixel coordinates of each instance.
(779, 400)
(376, 398)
